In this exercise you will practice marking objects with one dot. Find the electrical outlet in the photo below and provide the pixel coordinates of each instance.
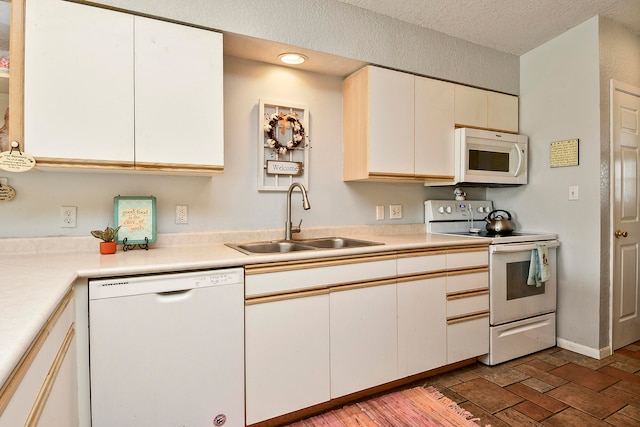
(395, 211)
(182, 214)
(379, 213)
(68, 216)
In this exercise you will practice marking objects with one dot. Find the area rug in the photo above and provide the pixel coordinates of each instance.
(415, 407)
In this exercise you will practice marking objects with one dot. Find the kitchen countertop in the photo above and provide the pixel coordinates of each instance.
(36, 279)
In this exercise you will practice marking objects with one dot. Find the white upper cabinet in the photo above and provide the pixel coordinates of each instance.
(397, 126)
(434, 130)
(178, 95)
(502, 112)
(484, 109)
(378, 124)
(390, 121)
(110, 90)
(470, 107)
(78, 95)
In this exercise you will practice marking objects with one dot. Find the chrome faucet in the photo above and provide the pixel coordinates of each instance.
(288, 228)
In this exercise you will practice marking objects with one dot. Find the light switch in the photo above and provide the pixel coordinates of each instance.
(573, 192)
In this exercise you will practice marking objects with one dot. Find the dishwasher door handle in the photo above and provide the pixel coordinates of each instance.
(181, 291)
(169, 297)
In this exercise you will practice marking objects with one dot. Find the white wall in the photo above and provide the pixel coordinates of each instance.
(565, 94)
(560, 99)
(337, 28)
(229, 201)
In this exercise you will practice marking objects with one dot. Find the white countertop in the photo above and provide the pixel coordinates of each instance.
(33, 283)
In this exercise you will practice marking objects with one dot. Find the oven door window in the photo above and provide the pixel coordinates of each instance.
(509, 295)
(517, 275)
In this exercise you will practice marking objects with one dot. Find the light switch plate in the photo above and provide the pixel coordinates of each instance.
(379, 212)
(573, 192)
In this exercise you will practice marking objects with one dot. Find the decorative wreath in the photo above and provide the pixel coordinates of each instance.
(283, 120)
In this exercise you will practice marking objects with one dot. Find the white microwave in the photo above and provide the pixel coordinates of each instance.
(490, 158)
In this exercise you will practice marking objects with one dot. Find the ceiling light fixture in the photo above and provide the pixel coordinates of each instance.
(292, 58)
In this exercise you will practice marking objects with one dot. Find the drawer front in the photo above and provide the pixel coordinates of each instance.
(467, 282)
(466, 259)
(459, 306)
(467, 338)
(315, 277)
(421, 264)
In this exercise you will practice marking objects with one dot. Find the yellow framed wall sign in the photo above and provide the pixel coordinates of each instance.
(564, 153)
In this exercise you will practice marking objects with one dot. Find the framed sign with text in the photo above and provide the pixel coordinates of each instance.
(136, 215)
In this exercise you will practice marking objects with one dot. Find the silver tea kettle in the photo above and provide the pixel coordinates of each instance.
(498, 224)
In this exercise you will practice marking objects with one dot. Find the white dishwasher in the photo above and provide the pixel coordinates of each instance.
(167, 350)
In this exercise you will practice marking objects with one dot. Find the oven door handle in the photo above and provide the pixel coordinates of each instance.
(521, 247)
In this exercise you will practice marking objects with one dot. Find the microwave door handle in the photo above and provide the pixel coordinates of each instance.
(520, 159)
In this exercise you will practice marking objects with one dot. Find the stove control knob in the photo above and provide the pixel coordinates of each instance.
(480, 209)
(441, 209)
(449, 209)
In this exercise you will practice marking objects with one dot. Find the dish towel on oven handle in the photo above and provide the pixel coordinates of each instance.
(539, 266)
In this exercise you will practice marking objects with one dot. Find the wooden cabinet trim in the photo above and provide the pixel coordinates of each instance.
(362, 285)
(474, 248)
(471, 270)
(16, 72)
(45, 390)
(263, 299)
(336, 287)
(423, 276)
(322, 262)
(11, 385)
(467, 317)
(421, 252)
(467, 294)
(51, 162)
(176, 167)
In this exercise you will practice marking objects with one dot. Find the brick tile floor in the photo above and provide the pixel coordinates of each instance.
(554, 387)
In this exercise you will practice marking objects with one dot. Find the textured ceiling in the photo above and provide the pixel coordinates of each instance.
(512, 26)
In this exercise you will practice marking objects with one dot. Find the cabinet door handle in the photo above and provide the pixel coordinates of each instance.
(620, 233)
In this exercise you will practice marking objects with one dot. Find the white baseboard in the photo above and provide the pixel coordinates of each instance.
(583, 349)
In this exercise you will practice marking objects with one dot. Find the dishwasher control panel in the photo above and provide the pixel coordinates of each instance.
(173, 282)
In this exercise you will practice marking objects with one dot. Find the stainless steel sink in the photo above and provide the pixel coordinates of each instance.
(269, 247)
(338, 242)
(283, 246)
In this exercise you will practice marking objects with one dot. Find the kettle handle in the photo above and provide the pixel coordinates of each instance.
(490, 216)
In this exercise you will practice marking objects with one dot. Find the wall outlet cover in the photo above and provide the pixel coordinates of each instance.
(395, 211)
(182, 214)
(68, 216)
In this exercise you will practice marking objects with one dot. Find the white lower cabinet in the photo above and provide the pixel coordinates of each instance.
(287, 355)
(364, 338)
(467, 305)
(321, 329)
(422, 314)
(316, 330)
(42, 391)
(422, 332)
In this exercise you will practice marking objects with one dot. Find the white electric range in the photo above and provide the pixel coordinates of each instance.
(522, 317)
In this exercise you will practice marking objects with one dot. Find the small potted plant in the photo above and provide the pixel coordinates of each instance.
(108, 244)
